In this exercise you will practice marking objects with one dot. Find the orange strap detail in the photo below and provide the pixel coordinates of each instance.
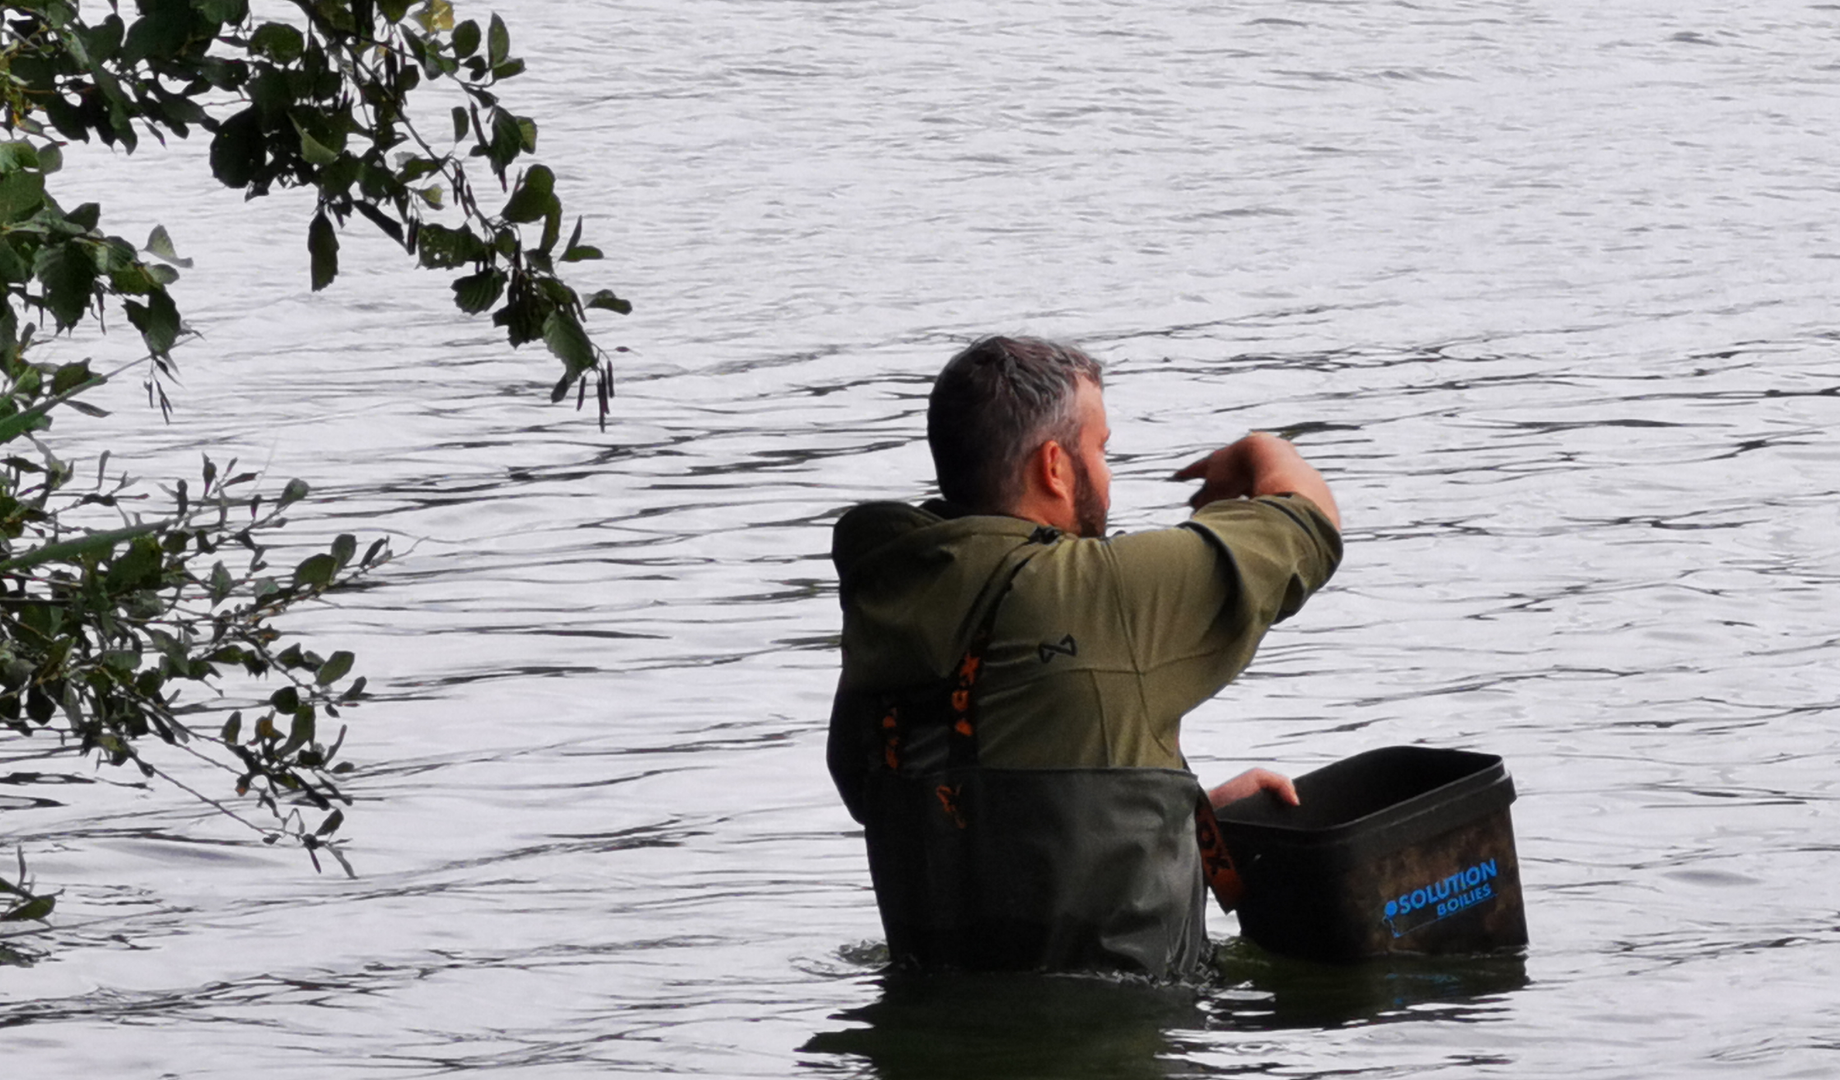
(948, 801)
(891, 738)
(1216, 864)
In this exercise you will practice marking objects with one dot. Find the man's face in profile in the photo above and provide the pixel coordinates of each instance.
(1092, 477)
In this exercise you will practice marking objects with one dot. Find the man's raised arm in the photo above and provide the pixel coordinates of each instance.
(1259, 464)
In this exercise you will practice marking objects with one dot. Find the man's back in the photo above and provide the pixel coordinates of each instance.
(1098, 647)
(1085, 654)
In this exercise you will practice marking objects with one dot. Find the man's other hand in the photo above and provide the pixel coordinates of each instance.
(1250, 782)
(1259, 464)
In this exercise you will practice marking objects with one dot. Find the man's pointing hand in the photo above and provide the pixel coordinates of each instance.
(1259, 464)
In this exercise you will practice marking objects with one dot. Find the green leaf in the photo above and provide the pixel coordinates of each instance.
(442, 248)
(394, 10)
(85, 216)
(466, 38)
(337, 13)
(316, 572)
(569, 342)
(159, 243)
(286, 699)
(533, 198)
(238, 150)
(460, 124)
(316, 152)
(506, 142)
(70, 376)
(115, 255)
(16, 155)
(552, 229)
(498, 42)
(522, 316)
(300, 732)
(138, 567)
(223, 11)
(157, 320)
(21, 194)
(336, 667)
(331, 824)
(221, 584)
(478, 292)
(436, 15)
(295, 491)
(581, 253)
(278, 41)
(607, 301)
(417, 167)
(68, 274)
(34, 418)
(344, 547)
(95, 543)
(50, 158)
(13, 269)
(36, 908)
(323, 250)
(233, 729)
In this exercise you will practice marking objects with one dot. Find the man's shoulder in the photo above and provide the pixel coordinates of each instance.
(871, 527)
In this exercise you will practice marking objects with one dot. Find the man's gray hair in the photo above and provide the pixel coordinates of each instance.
(993, 406)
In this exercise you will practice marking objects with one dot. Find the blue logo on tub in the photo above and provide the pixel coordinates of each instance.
(1441, 899)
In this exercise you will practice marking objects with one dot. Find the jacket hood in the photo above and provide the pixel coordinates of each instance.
(909, 580)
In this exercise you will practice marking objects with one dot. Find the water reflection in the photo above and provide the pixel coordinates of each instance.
(1012, 1026)
(1263, 992)
(1066, 1026)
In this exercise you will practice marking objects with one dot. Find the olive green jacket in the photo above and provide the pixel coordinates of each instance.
(1099, 647)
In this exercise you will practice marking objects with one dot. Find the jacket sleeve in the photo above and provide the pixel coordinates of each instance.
(1196, 600)
(1279, 549)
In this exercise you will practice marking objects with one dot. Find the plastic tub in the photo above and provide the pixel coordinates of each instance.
(1402, 850)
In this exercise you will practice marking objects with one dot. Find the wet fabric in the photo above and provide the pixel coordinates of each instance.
(1049, 869)
(1060, 834)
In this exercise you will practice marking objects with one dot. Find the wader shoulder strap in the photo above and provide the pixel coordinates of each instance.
(935, 726)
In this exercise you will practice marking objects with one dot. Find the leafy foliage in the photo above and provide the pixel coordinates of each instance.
(103, 630)
(318, 102)
(123, 613)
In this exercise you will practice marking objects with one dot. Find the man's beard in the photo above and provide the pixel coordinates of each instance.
(1088, 511)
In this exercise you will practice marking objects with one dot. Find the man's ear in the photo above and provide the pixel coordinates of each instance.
(1054, 471)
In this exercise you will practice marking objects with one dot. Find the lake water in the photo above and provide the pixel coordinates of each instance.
(1548, 291)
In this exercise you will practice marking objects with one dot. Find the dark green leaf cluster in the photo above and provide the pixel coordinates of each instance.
(108, 635)
(125, 618)
(58, 263)
(318, 101)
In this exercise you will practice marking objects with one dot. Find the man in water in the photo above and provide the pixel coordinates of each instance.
(1006, 724)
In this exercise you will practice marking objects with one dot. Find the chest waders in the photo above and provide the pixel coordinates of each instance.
(1026, 869)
